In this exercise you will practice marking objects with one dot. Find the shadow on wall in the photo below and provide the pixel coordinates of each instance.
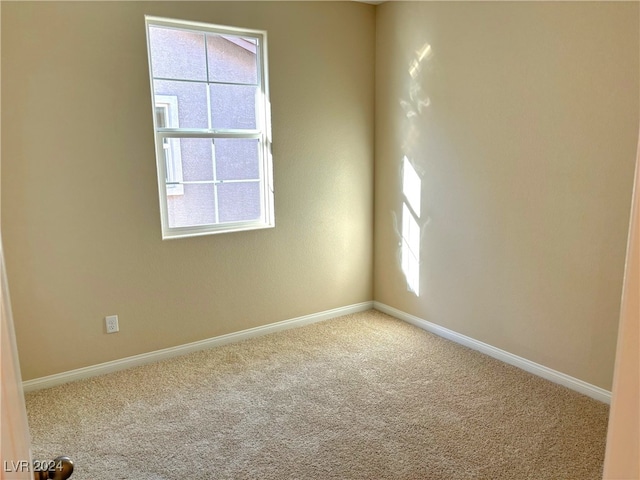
(413, 219)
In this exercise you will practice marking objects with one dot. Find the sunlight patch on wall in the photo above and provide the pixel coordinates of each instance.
(411, 186)
(414, 106)
(410, 250)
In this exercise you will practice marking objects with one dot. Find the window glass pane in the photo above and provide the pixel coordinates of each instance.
(197, 159)
(239, 201)
(233, 106)
(191, 101)
(232, 59)
(197, 206)
(177, 54)
(237, 159)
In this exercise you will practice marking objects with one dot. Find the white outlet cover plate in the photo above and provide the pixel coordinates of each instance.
(111, 323)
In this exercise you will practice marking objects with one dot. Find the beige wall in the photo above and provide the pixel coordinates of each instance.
(525, 152)
(80, 212)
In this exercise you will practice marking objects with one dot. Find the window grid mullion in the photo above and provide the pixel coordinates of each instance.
(213, 182)
(206, 64)
(208, 82)
(216, 202)
(215, 179)
(196, 133)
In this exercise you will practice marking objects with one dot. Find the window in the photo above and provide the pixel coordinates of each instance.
(212, 127)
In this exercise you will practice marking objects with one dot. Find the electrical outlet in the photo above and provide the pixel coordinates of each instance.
(111, 323)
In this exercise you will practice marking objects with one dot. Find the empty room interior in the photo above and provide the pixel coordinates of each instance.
(462, 172)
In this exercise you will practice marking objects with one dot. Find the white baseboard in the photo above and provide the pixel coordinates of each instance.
(128, 362)
(580, 386)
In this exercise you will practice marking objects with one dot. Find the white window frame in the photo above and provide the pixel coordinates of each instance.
(262, 133)
(172, 150)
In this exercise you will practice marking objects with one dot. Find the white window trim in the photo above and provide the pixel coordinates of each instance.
(174, 161)
(262, 133)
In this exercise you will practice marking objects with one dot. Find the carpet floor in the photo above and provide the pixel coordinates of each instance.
(363, 396)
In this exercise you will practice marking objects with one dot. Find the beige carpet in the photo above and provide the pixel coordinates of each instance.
(363, 396)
